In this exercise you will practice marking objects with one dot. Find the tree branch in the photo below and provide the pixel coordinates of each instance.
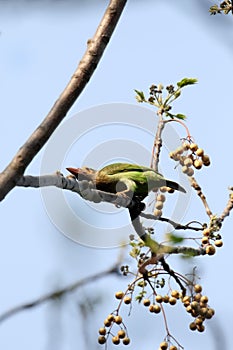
(95, 49)
(58, 293)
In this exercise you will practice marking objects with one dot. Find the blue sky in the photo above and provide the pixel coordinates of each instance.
(40, 47)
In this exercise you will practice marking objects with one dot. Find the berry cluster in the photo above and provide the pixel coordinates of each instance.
(210, 234)
(106, 331)
(190, 156)
(197, 306)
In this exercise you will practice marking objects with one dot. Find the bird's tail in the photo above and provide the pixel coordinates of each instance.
(175, 186)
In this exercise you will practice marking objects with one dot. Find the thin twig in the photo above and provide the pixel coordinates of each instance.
(86, 68)
(176, 225)
(229, 207)
(58, 293)
(198, 189)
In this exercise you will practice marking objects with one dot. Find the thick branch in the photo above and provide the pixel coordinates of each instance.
(86, 67)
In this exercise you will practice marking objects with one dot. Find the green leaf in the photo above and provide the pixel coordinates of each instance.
(181, 116)
(174, 238)
(186, 81)
(140, 96)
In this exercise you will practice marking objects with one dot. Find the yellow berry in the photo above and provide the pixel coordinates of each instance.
(204, 299)
(116, 340)
(166, 298)
(205, 240)
(102, 331)
(206, 232)
(121, 333)
(118, 319)
(159, 205)
(210, 249)
(170, 190)
(159, 298)
(197, 163)
(119, 295)
(127, 299)
(185, 169)
(206, 160)
(190, 172)
(163, 189)
(192, 326)
(197, 297)
(198, 288)
(101, 339)
(193, 147)
(200, 328)
(175, 294)
(173, 347)
(199, 320)
(188, 162)
(163, 345)
(107, 323)
(161, 197)
(185, 146)
(199, 152)
(218, 243)
(146, 302)
(172, 300)
(110, 317)
(158, 212)
(126, 341)
(210, 313)
(186, 300)
(179, 150)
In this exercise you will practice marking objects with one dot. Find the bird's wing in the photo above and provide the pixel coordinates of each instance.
(117, 168)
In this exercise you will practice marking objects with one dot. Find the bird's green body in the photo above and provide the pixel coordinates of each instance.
(130, 179)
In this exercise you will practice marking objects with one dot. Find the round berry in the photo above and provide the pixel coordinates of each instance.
(107, 323)
(172, 300)
(175, 294)
(163, 345)
(119, 295)
(198, 288)
(206, 160)
(199, 152)
(101, 339)
(166, 298)
(161, 197)
(193, 147)
(126, 341)
(188, 162)
(159, 298)
(121, 333)
(116, 340)
(190, 172)
(102, 331)
(206, 232)
(197, 163)
(218, 243)
(158, 212)
(170, 190)
(192, 326)
(210, 249)
(204, 299)
(146, 302)
(205, 240)
(127, 299)
(173, 347)
(118, 319)
(200, 328)
(159, 205)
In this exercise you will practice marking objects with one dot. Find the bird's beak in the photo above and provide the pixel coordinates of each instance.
(73, 171)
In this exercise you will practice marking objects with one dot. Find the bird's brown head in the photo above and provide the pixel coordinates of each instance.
(84, 173)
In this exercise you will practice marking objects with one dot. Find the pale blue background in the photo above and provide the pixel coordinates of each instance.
(157, 41)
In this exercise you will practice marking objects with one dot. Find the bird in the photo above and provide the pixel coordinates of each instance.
(132, 180)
